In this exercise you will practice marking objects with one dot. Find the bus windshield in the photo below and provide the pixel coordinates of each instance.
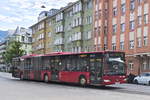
(114, 66)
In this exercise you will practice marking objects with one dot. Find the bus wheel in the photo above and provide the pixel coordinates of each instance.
(46, 78)
(82, 81)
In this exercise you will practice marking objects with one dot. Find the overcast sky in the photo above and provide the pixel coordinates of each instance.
(24, 13)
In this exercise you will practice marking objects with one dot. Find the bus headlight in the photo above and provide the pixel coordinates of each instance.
(107, 80)
(125, 79)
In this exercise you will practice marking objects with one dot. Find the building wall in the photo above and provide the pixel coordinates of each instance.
(38, 35)
(49, 32)
(115, 26)
(124, 31)
(88, 25)
(100, 26)
(58, 32)
(74, 30)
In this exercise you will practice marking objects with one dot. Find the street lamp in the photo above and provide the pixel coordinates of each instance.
(43, 6)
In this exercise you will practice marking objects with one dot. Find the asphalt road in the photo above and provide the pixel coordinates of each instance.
(14, 89)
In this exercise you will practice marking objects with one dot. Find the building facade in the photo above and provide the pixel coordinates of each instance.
(95, 25)
(68, 29)
(127, 29)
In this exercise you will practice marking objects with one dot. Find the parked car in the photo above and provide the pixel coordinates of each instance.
(143, 78)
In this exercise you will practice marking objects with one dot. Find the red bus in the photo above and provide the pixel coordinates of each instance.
(87, 68)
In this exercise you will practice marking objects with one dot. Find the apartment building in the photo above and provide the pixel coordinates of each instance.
(41, 33)
(126, 23)
(24, 36)
(65, 29)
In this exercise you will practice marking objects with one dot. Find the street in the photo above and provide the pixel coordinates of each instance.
(15, 89)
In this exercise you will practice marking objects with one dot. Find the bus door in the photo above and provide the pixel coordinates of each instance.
(55, 63)
(95, 68)
(27, 67)
(36, 68)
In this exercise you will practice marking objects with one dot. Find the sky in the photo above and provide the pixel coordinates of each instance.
(24, 13)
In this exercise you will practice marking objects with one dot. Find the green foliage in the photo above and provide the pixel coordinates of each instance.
(13, 50)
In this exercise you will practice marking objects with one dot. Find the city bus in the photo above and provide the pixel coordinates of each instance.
(85, 68)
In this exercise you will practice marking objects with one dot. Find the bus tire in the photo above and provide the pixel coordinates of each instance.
(82, 81)
(46, 78)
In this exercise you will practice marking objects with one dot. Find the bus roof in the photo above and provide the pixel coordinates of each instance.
(29, 56)
(70, 53)
(66, 53)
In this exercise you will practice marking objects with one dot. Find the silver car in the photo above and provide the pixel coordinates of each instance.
(143, 78)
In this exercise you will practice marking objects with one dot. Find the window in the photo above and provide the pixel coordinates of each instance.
(121, 45)
(105, 30)
(77, 22)
(145, 40)
(89, 4)
(131, 44)
(139, 20)
(114, 29)
(115, 11)
(40, 36)
(131, 65)
(123, 9)
(88, 20)
(132, 25)
(132, 4)
(49, 34)
(89, 35)
(49, 23)
(59, 28)
(123, 27)
(29, 39)
(105, 46)
(113, 46)
(59, 17)
(146, 19)
(23, 39)
(40, 26)
(144, 65)
(139, 42)
(77, 7)
(139, 1)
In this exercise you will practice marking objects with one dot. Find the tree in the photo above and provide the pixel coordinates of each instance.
(13, 50)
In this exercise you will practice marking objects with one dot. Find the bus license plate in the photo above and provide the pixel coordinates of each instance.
(117, 82)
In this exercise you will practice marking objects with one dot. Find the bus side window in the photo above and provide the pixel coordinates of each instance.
(58, 63)
(68, 63)
(52, 63)
(74, 63)
(63, 63)
(92, 64)
(45, 63)
(83, 63)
